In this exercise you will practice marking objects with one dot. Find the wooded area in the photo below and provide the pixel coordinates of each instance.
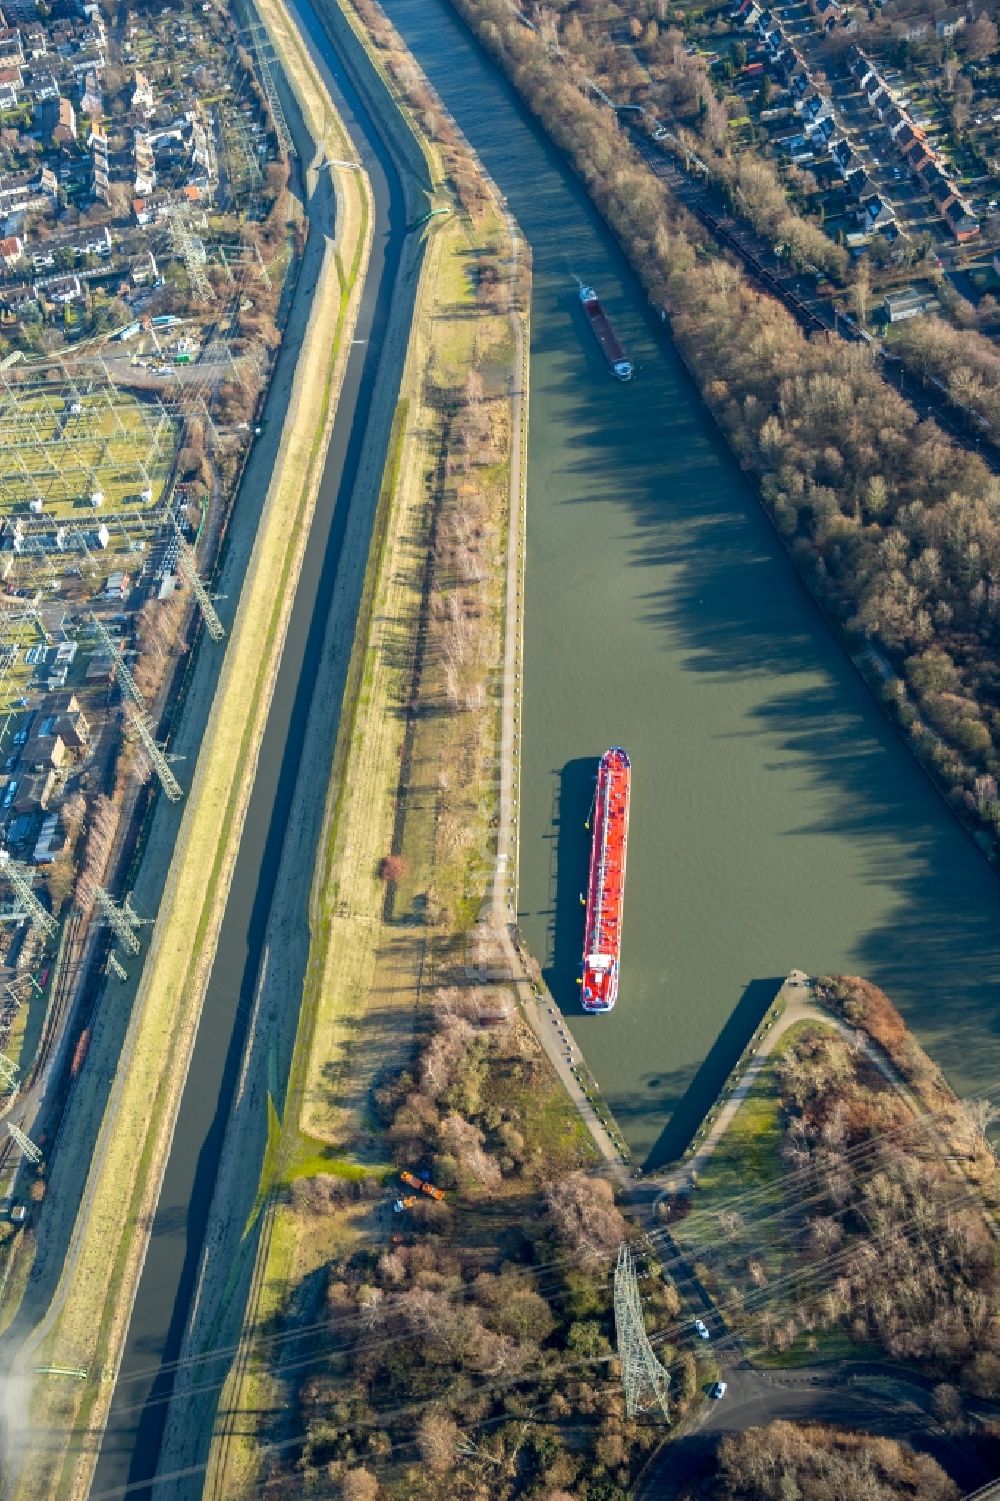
(896, 529)
(810, 1462)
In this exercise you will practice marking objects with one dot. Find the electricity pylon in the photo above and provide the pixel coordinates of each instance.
(20, 878)
(139, 722)
(190, 248)
(27, 1146)
(261, 43)
(645, 1380)
(189, 569)
(126, 681)
(116, 968)
(122, 920)
(8, 1072)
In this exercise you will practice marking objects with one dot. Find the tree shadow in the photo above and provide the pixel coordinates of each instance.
(687, 1114)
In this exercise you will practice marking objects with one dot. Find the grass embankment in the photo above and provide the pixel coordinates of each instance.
(414, 774)
(846, 1209)
(87, 1320)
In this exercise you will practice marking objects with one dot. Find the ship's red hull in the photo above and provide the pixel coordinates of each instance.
(606, 882)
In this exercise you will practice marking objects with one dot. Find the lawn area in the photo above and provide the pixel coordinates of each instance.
(742, 1232)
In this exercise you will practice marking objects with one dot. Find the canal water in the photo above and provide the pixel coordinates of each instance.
(777, 821)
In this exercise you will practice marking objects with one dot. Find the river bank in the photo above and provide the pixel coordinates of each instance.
(88, 1313)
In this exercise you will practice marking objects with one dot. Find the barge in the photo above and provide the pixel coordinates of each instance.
(621, 365)
(606, 882)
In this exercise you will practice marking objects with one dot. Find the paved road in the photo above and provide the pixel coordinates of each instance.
(871, 1402)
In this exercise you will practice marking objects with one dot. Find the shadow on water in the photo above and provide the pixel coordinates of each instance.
(686, 1115)
(837, 852)
(574, 800)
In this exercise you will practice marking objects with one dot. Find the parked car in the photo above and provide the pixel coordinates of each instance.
(718, 1390)
(701, 1329)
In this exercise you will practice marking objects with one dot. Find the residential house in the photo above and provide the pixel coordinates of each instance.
(64, 130)
(862, 69)
(948, 24)
(44, 85)
(17, 193)
(961, 221)
(899, 244)
(944, 195)
(44, 748)
(11, 251)
(842, 154)
(142, 94)
(145, 271)
(873, 89)
(895, 122)
(70, 720)
(859, 184)
(101, 181)
(91, 98)
(84, 240)
(17, 299)
(20, 12)
(61, 289)
(878, 214)
(145, 165)
(11, 46)
(883, 104)
(905, 136)
(918, 156)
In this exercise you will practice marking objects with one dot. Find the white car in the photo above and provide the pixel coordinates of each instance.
(701, 1329)
(718, 1390)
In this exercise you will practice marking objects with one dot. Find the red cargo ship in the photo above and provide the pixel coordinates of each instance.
(606, 883)
(605, 334)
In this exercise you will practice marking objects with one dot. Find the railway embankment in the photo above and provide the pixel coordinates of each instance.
(85, 1322)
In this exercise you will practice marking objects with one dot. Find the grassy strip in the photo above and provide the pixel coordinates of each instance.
(90, 1306)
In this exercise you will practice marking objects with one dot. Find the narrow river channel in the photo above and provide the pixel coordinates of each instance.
(132, 1440)
(776, 819)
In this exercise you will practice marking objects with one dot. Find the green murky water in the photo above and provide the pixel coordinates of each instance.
(776, 819)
